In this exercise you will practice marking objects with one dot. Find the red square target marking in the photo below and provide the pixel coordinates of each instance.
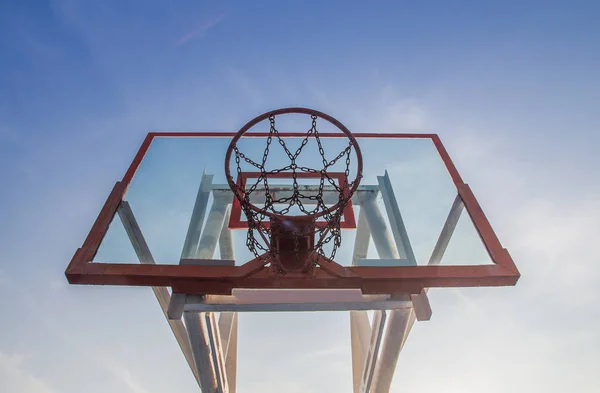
(236, 222)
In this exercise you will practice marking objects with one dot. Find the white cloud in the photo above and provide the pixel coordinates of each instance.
(123, 374)
(13, 365)
(541, 335)
(385, 112)
(559, 238)
(404, 115)
(280, 385)
(334, 352)
(15, 377)
(550, 229)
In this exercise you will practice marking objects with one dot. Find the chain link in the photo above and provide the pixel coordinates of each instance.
(258, 239)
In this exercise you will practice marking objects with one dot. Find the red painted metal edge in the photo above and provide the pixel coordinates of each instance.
(344, 131)
(151, 135)
(137, 160)
(290, 134)
(92, 242)
(447, 160)
(498, 254)
(221, 279)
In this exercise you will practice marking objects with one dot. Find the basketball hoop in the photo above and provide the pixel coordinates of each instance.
(293, 243)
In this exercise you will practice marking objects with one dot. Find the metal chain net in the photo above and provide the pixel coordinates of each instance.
(328, 231)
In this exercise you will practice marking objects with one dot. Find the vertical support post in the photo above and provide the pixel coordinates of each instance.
(360, 330)
(202, 328)
(216, 350)
(192, 237)
(213, 228)
(231, 355)
(226, 237)
(225, 326)
(210, 350)
(228, 321)
(397, 251)
(371, 359)
(200, 341)
(362, 239)
(378, 228)
(399, 325)
(398, 228)
(401, 322)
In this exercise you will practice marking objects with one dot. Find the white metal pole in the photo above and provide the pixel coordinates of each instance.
(162, 294)
(399, 324)
(212, 230)
(197, 219)
(380, 233)
(371, 358)
(199, 338)
(360, 331)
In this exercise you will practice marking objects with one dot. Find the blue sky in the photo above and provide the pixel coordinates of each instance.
(511, 87)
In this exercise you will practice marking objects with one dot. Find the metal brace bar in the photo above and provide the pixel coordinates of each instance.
(398, 228)
(373, 352)
(162, 294)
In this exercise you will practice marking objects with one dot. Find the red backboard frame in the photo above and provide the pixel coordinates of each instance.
(207, 279)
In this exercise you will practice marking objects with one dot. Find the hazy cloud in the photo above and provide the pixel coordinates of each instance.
(200, 29)
(15, 367)
(404, 115)
(15, 377)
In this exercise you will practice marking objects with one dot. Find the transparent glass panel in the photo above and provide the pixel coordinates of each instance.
(165, 188)
(116, 247)
(465, 246)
